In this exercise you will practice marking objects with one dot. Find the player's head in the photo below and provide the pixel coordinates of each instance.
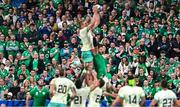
(78, 83)
(164, 84)
(101, 83)
(96, 8)
(130, 79)
(61, 73)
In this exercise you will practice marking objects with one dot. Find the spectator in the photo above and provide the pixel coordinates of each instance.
(21, 95)
(12, 46)
(14, 90)
(65, 52)
(27, 56)
(23, 70)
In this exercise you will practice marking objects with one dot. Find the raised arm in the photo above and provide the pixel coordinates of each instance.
(95, 81)
(95, 20)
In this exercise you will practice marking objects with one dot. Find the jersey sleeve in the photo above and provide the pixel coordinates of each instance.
(156, 97)
(72, 85)
(121, 93)
(174, 96)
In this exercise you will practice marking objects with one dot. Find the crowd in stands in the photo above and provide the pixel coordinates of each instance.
(41, 37)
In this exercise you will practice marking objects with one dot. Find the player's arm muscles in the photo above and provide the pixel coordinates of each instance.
(153, 103)
(74, 93)
(113, 95)
(95, 81)
(143, 101)
(176, 103)
(94, 23)
(118, 100)
(52, 88)
(28, 97)
(97, 21)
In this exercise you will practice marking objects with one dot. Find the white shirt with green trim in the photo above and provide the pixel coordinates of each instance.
(131, 95)
(95, 97)
(165, 98)
(81, 97)
(63, 86)
(86, 38)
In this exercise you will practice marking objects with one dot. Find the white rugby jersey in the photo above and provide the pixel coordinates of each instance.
(63, 86)
(95, 97)
(81, 97)
(165, 98)
(132, 95)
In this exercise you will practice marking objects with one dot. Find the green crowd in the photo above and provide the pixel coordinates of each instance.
(40, 38)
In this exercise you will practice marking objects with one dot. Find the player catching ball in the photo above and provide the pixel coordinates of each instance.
(86, 35)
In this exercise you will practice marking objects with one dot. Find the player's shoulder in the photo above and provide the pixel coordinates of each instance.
(53, 81)
(83, 29)
(126, 87)
(84, 89)
(160, 93)
(170, 92)
(67, 81)
(138, 87)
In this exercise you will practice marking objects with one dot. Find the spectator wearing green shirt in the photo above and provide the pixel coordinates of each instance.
(27, 56)
(46, 52)
(112, 50)
(3, 89)
(3, 71)
(24, 45)
(147, 90)
(23, 70)
(34, 75)
(55, 52)
(2, 43)
(35, 62)
(12, 46)
(150, 81)
(51, 70)
(141, 75)
(39, 94)
(174, 79)
(163, 76)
